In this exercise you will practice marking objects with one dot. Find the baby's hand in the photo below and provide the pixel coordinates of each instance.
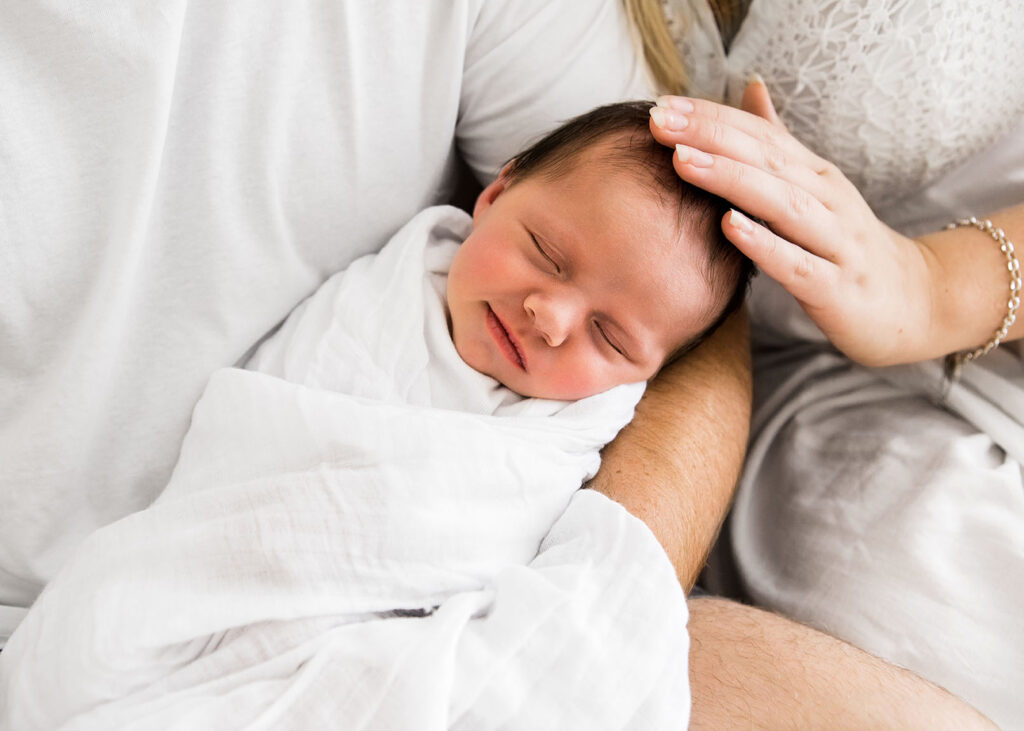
(868, 288)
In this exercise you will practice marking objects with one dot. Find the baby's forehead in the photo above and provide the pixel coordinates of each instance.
(622, 164)
(676, 247)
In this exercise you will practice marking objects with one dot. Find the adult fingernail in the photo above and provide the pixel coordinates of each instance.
(756, 78)
(740, 221)
(680, 103)
(668, 119)
(693, 157)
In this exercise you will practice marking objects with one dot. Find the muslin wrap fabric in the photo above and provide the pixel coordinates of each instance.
(363, 532)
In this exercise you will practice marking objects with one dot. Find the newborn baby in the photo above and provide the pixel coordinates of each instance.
(380, 518)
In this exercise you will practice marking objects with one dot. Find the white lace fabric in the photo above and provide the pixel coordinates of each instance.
(844, 74)
(864, 507)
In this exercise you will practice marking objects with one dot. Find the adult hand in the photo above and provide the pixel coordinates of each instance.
(868, 288)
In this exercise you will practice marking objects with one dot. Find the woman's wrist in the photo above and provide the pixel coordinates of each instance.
(1008, 250)
(916, 338)
(970, 286)
(944, 317)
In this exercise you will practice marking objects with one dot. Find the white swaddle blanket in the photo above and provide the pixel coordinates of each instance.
(385, 540)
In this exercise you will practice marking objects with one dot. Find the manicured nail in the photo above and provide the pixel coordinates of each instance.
(679, 103)
(740, 221)
(693, 157)
(668, 119)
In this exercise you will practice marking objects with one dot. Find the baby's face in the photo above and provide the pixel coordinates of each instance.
(569, 287)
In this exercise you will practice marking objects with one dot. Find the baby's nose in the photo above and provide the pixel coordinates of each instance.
(553, 317)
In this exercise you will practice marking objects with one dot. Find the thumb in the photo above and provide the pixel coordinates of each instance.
(757, 100)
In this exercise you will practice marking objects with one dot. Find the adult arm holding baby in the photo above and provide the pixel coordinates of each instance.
(675, 465)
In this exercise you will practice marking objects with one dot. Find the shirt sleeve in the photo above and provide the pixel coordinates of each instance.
(532, 64)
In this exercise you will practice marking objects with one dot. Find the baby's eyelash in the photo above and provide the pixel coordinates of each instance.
(545, 254)
(608, 340)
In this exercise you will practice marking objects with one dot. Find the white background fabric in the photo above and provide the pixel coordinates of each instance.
(177, 176)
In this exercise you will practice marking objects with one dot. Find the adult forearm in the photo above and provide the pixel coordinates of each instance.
(675, 466)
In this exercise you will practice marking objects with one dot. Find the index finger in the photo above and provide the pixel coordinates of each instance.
(761, 130)
(788, 209)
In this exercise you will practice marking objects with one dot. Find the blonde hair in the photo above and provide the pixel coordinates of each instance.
(649, 22)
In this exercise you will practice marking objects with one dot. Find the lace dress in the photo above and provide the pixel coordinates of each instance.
(876, 503)
(844, 75)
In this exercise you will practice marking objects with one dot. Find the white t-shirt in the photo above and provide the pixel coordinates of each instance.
(177, 176)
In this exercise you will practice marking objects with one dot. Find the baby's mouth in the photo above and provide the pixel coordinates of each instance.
(506, 343)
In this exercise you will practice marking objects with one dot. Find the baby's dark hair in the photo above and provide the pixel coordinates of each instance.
(625, 126)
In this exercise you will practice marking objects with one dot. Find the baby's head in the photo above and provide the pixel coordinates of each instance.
(591, 263)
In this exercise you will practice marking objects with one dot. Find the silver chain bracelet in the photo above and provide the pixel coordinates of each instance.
(955, 360)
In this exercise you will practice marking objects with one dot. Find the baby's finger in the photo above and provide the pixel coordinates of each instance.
(809, 278)
(787, 208)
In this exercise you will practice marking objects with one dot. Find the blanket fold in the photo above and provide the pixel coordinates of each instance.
(323, 558)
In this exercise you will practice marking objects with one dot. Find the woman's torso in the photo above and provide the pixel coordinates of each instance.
(903, 95)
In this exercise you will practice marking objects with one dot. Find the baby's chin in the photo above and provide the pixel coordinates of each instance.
(550, 392)
(523, 386)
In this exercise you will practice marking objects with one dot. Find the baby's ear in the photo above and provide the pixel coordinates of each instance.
(490, 194)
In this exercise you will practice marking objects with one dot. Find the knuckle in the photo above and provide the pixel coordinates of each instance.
(734, 177)
(775, 159)
(798, 202)
(826, 169)
(766, 133)
(770, 136)
(708, 109)
(713, 133)
(804, 267)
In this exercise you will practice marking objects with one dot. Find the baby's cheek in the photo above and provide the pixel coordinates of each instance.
(498, 273)
(579, 379)
(486, 260)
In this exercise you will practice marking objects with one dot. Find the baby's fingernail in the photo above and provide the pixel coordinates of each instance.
(693, 157)
(679, 103)
(668, 119)
(740, 221)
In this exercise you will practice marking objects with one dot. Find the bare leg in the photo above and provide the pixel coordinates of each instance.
(753, 669)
